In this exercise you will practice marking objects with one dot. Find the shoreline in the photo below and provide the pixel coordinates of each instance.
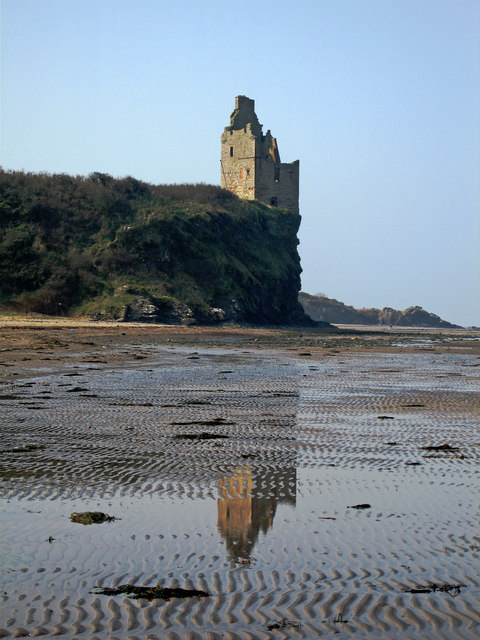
(26, 343)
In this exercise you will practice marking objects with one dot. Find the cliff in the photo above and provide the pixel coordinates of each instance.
(326, 309)
(123, 249)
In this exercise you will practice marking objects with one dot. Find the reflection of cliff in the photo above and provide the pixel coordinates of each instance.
(247, 504)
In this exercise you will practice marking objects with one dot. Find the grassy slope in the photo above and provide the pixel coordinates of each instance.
(92, 245)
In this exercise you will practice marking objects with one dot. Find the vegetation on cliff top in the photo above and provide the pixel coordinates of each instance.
(121, 248)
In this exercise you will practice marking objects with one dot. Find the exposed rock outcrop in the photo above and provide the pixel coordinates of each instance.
(143, 310)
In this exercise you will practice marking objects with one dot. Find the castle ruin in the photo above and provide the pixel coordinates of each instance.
(250, 161)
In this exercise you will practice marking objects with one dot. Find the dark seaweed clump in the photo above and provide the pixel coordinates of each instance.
(199, 436)
(439, 447)
(452, 589)
(91, 517)
(26, 448)
(283, 624)
(151, 593)
(360, 506)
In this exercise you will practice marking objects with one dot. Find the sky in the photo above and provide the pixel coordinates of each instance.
(378, 99)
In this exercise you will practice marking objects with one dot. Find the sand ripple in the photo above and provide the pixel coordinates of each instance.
(261, 519)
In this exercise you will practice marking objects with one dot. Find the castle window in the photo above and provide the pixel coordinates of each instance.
(273, 202)
(231, 152)
(248, 172)
(276, 174)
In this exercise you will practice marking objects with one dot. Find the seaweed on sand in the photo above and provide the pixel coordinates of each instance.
(91, 517)
(283, 624)
(359, 506)
(26, 448)
(451, 589)
(199, 436)
(439, 447)
(204, 423)
(151, 593)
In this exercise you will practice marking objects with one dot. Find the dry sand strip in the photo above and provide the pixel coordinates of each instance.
(255, 484)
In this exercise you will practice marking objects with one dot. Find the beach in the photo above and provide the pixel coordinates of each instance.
(303, 482)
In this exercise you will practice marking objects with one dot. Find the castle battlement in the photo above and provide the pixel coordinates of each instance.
(250, 161)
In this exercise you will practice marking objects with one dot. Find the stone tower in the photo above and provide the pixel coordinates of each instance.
(250, 161)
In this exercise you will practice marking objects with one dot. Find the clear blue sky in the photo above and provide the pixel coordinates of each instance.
(379, 99)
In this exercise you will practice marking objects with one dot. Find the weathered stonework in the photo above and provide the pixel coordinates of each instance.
(250, 161)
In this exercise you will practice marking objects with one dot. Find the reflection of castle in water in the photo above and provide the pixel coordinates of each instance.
(247, 504)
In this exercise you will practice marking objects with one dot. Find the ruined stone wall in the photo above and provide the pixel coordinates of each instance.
(238, 162)
(250, 161)
(288, 187)
(277, 184)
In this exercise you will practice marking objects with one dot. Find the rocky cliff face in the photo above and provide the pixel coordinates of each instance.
(123, 249)
(239, 265)
(331, 310)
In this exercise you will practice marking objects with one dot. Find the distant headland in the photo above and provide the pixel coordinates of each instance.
(321, 308)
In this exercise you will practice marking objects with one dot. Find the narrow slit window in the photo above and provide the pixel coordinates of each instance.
(276, 174)
(273, 202)
(231, 152)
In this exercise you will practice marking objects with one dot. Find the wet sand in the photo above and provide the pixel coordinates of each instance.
(127, 420)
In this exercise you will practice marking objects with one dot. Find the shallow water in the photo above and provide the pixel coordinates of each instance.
(263, 519)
